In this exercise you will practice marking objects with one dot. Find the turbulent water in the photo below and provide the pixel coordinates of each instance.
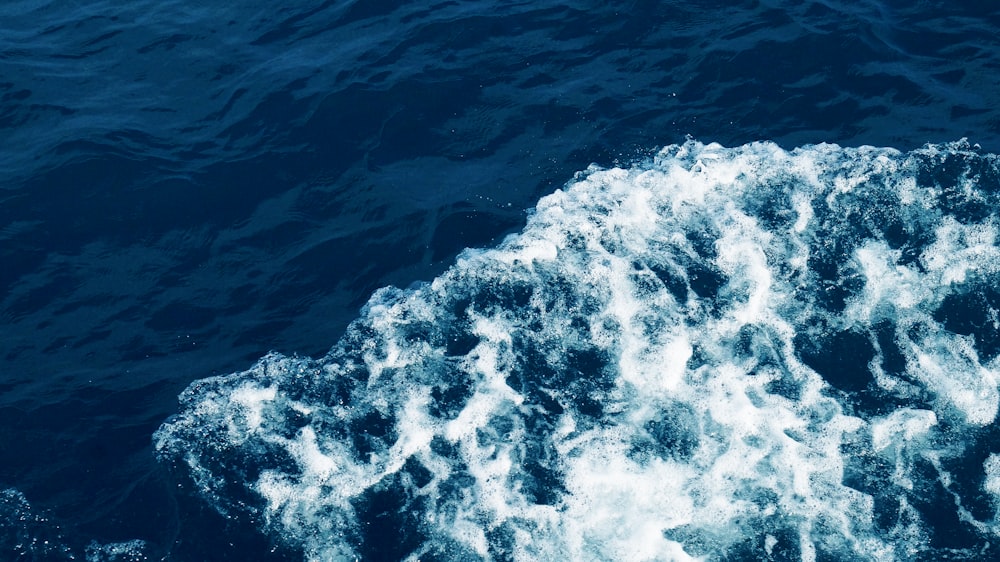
(724, 352)
(746, 331)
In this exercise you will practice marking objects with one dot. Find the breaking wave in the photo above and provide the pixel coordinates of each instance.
(721, 353)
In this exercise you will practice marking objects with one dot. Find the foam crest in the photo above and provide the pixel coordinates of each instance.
(722, 353)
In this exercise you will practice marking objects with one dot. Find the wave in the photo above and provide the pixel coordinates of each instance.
(28, 534)
(718, 353)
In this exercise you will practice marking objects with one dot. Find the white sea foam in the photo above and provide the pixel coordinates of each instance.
(719, 354)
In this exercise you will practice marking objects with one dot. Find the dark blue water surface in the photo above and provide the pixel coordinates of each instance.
(185, 188)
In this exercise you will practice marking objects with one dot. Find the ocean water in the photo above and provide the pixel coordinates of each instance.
(499, 281)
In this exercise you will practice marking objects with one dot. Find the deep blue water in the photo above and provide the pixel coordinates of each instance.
(184, 189)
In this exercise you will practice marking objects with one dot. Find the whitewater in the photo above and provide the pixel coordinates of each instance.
(713, 354)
